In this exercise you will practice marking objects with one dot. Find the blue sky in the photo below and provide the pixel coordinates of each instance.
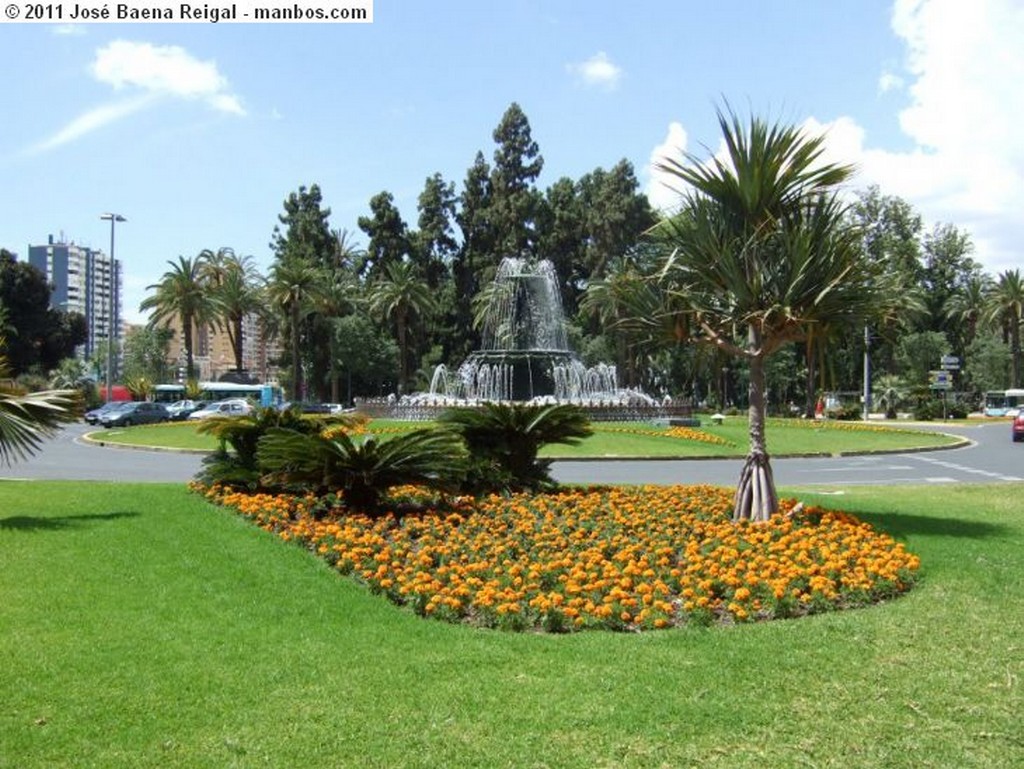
(197, 133)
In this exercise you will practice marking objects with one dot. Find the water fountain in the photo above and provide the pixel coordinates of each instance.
(525, 354)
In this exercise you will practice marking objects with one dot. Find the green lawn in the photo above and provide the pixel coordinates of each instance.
(142, 627)
(626, 439)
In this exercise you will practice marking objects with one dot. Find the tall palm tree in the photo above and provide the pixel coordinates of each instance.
(1005, 308)
(235, 293)
(762, 251)
(182, 295)
(967, 306)
(402, 296)
(292, 287)
(337, 298)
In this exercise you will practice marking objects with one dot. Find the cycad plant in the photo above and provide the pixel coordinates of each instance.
(239, 467)
(363, 469)
(504, 440)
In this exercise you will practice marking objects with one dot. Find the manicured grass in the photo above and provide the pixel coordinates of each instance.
(141, 626)
(627, 439)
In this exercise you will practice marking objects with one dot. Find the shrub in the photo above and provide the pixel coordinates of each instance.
(504, 440)
(362, 469)
(239, 467)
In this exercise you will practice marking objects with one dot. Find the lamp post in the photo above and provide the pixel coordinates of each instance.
(113, 218)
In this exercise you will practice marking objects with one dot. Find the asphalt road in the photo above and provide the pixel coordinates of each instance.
(990, 458)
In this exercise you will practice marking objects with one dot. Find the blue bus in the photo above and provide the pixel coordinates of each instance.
(268, 394)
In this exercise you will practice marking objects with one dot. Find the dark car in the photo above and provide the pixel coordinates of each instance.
(180, 410)
(93, 416)
(1018, 428)
(136, 413)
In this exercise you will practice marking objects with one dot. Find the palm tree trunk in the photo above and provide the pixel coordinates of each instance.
(235, 337)
(756, 499)
(186, 333)
(296, 361)
(1015, 349)
(810, 400)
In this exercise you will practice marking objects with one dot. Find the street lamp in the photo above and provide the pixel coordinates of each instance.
(113, 218)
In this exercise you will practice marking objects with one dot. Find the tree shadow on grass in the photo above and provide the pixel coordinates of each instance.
(902, 525)
(60, 523)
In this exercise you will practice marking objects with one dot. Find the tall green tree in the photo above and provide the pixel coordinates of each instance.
(516, 201)
(235, 292)
(388, 234)
(292, 290)
(303, 240)
(146, 353)
(306, 230)
(402, 298)
(38, 336)
(1006, 311)
(181, 295)
(761, 246)
(474, 265)
(434, 243)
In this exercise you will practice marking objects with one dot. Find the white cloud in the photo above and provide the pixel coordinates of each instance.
(149, 74)
(661, 189)
(598, 71)
(89, 121)
(889, 82)
(966, 163)
(166, 70)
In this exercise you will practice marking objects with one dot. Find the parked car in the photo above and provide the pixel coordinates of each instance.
(135, 413)
(1018, 428)
(180, 410)
(93, 416)
(232, 407)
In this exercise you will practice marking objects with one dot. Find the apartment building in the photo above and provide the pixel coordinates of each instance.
(84, 280)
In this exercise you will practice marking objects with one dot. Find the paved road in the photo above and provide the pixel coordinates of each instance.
(992, 457)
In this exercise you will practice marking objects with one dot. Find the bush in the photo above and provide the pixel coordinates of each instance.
(504, 440)
(363, 470)
(239, 468)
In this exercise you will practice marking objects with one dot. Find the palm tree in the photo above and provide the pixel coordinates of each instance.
(762, 251)
(292, 288)
(27, 418)
(337, 298)
(1005, 308)
(182, 295)
(967, 306)
(235, 293)
(401, 296)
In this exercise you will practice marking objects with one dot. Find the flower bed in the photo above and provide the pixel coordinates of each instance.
(622, 558)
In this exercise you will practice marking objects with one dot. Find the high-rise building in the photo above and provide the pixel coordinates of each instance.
(84, 281)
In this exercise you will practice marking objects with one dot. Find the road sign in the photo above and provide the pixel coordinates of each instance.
(939, 380)
(950, 363)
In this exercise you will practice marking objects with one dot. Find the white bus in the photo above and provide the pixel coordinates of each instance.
(264, 394)
(1003, 403)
